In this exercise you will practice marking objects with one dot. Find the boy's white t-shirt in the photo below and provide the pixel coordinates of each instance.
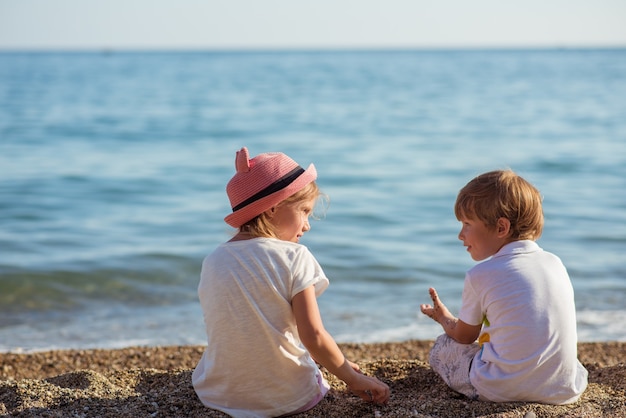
(254, 364)
(525, 300)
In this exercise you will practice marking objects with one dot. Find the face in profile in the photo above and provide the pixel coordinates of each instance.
(291, 220)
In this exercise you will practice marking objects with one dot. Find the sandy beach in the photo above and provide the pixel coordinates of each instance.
(156, 382)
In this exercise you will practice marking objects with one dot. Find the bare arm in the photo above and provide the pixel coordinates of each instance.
(455, 328)
(325, 351)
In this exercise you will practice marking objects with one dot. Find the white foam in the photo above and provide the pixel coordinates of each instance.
(595, 325)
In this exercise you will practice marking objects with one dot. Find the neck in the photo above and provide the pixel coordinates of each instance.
(241, 236)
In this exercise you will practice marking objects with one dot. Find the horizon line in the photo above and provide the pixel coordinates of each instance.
(248, 49)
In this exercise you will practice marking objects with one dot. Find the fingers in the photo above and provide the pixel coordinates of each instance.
(380, 395)
(355, 367)
(377, 392)
(434, 296)
(427, 309)
(365, 395)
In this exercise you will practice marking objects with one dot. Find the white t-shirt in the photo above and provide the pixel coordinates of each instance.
(254, 364)
(527, 298)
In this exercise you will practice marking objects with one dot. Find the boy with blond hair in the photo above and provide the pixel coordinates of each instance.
(519, 303)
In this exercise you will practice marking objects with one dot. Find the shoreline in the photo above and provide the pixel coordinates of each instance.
(156, 381)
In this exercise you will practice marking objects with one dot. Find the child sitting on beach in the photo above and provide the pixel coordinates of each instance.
(520, 302)
(258, 295)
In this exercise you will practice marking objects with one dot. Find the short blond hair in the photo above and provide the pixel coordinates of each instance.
(262, 227)
(502, 194)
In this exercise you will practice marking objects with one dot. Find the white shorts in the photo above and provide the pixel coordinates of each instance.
(452, 361)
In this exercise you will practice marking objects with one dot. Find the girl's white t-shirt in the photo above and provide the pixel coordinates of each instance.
(525, 300)
(254, 364)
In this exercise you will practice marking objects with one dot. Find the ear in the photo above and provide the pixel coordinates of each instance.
(270, 212)
(503, 227)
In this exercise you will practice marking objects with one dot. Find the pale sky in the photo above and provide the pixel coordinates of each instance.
(276, 24)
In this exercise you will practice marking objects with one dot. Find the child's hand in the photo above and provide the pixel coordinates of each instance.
(354, 366)
(370, 389)
(454, 327)
(437, 310)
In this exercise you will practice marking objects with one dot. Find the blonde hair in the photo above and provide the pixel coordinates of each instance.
(261, 226)
(502, 194)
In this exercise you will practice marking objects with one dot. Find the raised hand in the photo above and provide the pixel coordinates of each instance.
(437, 311)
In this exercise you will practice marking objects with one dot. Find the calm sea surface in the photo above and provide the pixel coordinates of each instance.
(113, 169)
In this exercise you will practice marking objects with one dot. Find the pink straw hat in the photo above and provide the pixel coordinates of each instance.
(262, 182)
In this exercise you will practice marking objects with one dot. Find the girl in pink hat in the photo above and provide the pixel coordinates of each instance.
(258, 294)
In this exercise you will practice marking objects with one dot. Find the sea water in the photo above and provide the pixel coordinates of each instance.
(113, 168)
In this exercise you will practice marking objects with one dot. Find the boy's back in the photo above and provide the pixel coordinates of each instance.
(526, 299)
